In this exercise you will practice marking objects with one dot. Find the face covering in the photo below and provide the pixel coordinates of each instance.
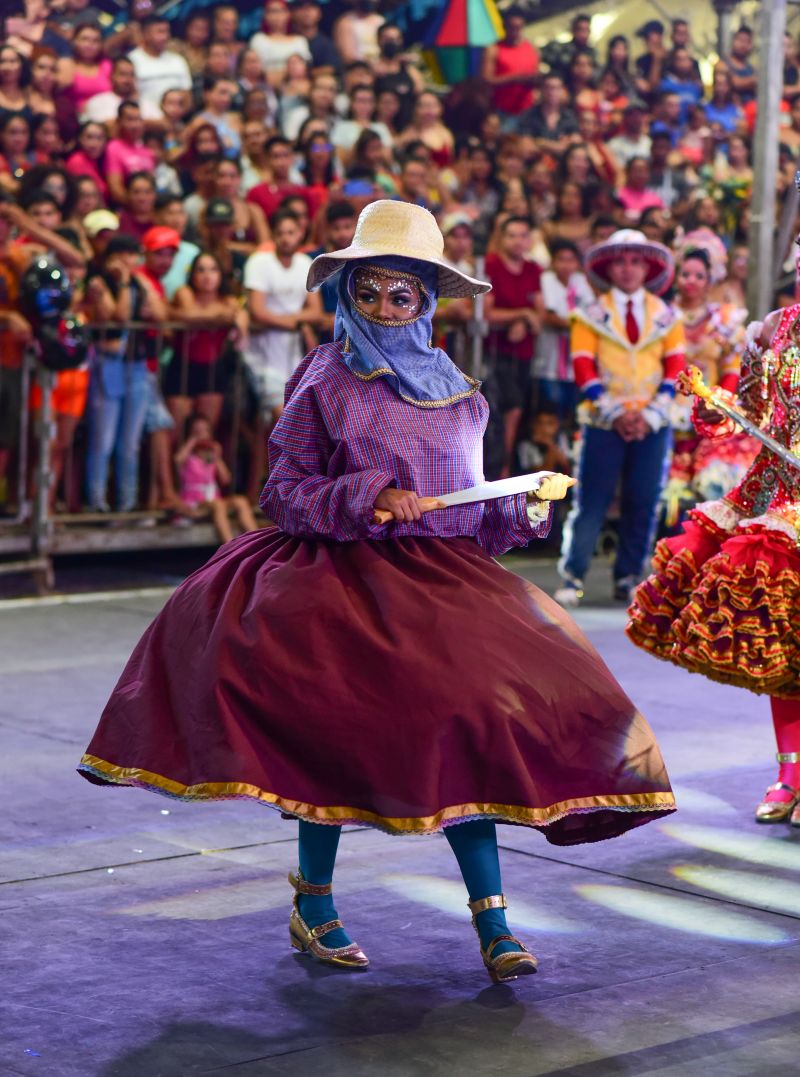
(390, 49)
(400, 352)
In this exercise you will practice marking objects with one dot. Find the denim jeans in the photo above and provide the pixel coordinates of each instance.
(605, 460)
(119, 395)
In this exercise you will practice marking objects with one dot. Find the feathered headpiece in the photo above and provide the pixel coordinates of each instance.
(703, 239)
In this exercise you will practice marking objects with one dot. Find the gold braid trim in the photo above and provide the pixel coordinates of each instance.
(738, 628)
(660, 599)
(633, 802)
(381, 371)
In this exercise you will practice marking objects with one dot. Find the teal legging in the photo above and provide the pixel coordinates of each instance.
(475, 848)
(318, 844)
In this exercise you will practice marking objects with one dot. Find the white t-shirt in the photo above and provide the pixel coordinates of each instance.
(345, 133)
(274, 53)
(103, 108)
(157, 74)
(273, 355)
(552, 359)
(624, 149)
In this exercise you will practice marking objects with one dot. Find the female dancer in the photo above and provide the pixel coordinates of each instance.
(389, 674)
(703, 468)
(724, 597)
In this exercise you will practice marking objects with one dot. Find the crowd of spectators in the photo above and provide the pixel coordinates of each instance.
(185, 175)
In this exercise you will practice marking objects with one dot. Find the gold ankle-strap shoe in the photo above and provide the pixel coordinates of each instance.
(778, 811)
(512, 963)
(307, 939)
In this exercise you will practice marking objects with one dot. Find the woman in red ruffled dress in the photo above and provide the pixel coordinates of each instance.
(704, 468)
(724, 597)
(384, 671)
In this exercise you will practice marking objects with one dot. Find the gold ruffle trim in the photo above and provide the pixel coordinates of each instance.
(739, 628)
(337, 815)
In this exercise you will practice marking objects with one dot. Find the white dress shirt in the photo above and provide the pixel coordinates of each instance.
(621, 300)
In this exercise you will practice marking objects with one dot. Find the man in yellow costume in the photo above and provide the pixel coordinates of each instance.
(627, 348)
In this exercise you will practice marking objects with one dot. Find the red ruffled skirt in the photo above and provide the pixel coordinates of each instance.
(724, 605)
(407, 684)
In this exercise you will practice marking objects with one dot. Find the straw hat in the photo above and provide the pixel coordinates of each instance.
(660, 263)
(402, 230)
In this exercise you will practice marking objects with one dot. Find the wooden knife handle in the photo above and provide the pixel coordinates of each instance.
(426, 504)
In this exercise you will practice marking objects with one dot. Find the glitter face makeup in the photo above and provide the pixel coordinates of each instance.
(387, 296)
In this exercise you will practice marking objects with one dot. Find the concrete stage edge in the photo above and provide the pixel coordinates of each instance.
(147, 938)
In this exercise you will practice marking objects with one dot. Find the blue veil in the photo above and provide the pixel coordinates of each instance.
(404, 354)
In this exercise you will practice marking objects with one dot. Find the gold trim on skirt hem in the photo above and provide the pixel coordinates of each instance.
(536, 817)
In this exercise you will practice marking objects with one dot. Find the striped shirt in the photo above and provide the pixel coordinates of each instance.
(341, 440)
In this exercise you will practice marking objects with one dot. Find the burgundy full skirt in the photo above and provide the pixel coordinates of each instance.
(406, 684)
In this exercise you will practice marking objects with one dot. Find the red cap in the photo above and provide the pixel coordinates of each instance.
(159, 238)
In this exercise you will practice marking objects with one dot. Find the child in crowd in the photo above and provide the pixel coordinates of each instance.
(546, 448)
(564, 287)
(201, 470)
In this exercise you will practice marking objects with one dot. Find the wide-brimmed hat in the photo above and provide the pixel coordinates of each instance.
(660, 263)
(402, 230)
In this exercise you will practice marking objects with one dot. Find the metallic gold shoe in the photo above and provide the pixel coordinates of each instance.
(780, 811)
(777, 811)
(512, 963)
(306, 939)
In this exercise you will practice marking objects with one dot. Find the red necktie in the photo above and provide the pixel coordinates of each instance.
(631, 325)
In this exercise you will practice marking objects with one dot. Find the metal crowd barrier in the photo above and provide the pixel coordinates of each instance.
(31, 532)
(34, 534)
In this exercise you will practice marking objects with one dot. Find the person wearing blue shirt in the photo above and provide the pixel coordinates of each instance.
(679, 78)
(722, 109)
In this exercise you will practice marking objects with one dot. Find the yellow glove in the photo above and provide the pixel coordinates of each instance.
(553, 487)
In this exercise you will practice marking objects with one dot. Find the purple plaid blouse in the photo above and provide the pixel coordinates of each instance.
(340, 441)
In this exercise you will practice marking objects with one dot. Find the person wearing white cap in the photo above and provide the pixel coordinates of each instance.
(627, 349)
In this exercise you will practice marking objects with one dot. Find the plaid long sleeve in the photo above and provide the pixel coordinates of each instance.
(506, 524)
(300, 496)
(341, 440)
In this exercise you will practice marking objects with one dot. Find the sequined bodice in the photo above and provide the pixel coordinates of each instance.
(714, 344)
(769, 392)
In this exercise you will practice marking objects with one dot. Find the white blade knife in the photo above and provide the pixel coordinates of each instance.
(488, 491)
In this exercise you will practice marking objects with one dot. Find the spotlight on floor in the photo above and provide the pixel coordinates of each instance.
(696, 802)
(689, 915)
(747, 887)
(757, 848)
(449, 897)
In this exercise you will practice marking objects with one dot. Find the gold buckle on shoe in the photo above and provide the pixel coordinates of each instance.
(324, 929)
(303, 886)
(496, 901)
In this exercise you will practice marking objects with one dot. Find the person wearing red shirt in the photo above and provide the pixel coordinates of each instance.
(510, 66)
(279, 161)
(513, 325)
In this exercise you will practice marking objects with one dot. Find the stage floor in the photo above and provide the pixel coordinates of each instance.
(148, 938)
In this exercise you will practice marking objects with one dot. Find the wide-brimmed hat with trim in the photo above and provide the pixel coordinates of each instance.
(402, 230)
(660, 263)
